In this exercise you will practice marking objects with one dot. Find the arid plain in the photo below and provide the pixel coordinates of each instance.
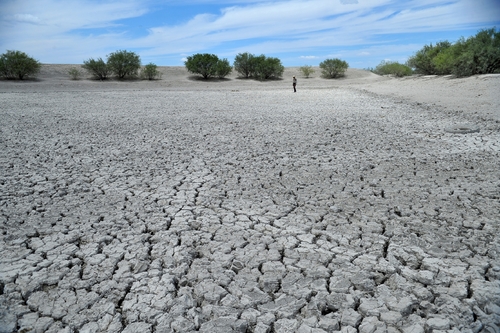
(362, 204)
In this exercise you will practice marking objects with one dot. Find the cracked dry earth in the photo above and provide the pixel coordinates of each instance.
(329, 210)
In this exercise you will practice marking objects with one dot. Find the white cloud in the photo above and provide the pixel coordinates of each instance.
(72, 14)
(58, 33)
(26, 18)
(293, 25)
(78, 29)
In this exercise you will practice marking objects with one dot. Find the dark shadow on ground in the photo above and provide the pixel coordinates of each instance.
(254, 79)
(211, 79)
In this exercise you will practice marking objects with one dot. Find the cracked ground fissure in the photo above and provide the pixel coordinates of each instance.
(245, 212)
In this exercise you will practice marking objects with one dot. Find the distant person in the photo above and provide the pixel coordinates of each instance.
(294, 84)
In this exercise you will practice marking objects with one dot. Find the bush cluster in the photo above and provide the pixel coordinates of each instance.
(392, 68)
(267, 68)
(121, 63)
(248, 65)
(124, 63)
(333, 68)
(479, 54)
(18, 65)
(258, 67)
(97, 68)
(208, 65)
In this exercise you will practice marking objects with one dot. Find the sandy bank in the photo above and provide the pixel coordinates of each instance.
(477, 94)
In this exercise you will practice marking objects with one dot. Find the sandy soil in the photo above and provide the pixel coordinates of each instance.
(476, 95)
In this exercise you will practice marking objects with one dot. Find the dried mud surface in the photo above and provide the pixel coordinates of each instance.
(182, 205)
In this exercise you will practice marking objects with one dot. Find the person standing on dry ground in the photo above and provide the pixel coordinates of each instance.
(294, 84)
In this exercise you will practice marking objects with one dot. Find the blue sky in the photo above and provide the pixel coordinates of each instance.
(299, 32)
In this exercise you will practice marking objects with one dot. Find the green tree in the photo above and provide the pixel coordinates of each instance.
(243, 64)
(392, 68)
(18, 65)
(423, 60)
(332, 68)
(445, 61)
(97, 68)
(266, 67)
(150, 72)
(123, 63)
(307, 70)
(204, 64)
(223, 68)
(478, 55)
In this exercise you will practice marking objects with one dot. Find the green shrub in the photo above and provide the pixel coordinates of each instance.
(18, 65)
(444, 62)
(423, 60)
(124, 63)
(208, 65)
(223, 68)
(258, 67)
(150, 72)
(243, 64)
(264, 68)
(478, 55)
(392, 68)
(307, 70)
(332, 68)
(97, 68)
(204, 64)
(74, 73)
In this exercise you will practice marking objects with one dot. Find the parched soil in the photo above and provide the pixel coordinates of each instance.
(183, 205)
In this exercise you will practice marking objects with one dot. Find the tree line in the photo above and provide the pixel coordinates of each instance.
(122, 64)
(479, 54)
(258, 67)
(18, 65)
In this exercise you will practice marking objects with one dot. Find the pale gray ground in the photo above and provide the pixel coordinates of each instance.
(238, 206)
